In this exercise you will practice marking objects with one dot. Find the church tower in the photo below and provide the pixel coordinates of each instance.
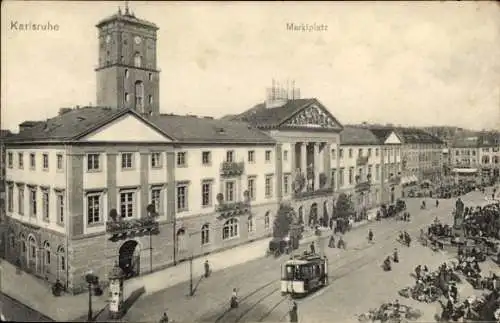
(127, 75)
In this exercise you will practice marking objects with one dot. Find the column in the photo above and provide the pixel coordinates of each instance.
(327, 158)
(279, 173)
(316, 165)
(303, 163)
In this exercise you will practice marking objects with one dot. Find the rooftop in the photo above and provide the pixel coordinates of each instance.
(409, 135)
(196, 129)
(356, 135)
(77, 122)
(127, 16)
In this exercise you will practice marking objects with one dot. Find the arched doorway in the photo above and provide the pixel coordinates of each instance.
(32, 253)
(181, 243)
(313, 215)
(129, 258)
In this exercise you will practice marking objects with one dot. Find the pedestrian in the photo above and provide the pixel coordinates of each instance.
(207, 269)
(313, 249)
(293, 311)
(370, 236)
(331, 243)
(164, 318)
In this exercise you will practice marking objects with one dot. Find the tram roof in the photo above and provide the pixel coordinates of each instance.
(304, 259)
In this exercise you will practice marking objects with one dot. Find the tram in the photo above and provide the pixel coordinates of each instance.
(303, 274)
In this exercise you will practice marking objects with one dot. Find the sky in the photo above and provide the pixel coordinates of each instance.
(408, 63)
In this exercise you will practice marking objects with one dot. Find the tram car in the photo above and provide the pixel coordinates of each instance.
(303, 274)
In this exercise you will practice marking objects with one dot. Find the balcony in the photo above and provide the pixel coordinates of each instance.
(395, 180)
(123, 229)
(362, 160)
(313, 193)
(229, 209)
(229, 169)
(364, 185)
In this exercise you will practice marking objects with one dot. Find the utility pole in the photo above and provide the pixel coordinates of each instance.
(191, 291)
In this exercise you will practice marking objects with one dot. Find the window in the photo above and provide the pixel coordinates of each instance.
(93, 163)
(341, 153)
(266, 220)
(351, 174)
(182, 191)
(60, 207)
(333, 154)
(206, 193)
(269, 186)
(370, 169)
(137, 59)
(350, 152)
(341, 177)
(10, 160)
(45, 160)
(32, 246)
(333, 178)
(139, 95)
(205, 234)
(206, 158)
(285, 155)
(251, 188)
(150, 76)
(127, 160)
(156, 199)
(126, 73)
(150, 99)
(230, 156)
(59, 162)
(20, 160)
(61, 258)
(32, 161)
(377, 172)
(369, 152)
(45, 204)
(93, 208)
(251, 156)
(376, 152)
(127, 97)
(181, 159)
(46, 251)
(33, 201)
(10, 198)
(230, 229)
(360, 152)
(250, 223)
(127, 204)
(155, 160)
(230, 192)
(20, 199)
(268, 155)
(286, 183)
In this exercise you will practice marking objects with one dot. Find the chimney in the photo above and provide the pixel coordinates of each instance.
(64, 110)
(276, 96)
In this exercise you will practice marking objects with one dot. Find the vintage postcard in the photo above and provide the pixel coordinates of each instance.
(220, 162)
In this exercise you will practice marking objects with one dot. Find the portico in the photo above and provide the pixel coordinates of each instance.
(312, 162)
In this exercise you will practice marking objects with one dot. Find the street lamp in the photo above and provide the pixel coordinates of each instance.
(92, 280)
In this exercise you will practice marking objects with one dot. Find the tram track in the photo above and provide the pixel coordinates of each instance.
(251, 305)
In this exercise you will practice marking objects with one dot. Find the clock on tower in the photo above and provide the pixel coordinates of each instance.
(127, 74)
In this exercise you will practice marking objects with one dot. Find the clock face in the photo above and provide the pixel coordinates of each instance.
(108, 38)
(137, 40)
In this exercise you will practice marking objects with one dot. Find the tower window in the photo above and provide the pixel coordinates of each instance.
(150, 99)
(107, 53)
(126, 73)
(150, 76)
(137, 60)
(139, 95)
(127, 98)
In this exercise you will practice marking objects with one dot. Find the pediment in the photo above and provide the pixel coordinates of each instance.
(313, 117)
(127, 128)
(392, 139)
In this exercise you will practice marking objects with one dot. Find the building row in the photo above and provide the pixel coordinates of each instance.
(123, 183)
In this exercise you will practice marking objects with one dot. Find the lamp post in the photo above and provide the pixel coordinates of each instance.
(91, 280)
(191, 287)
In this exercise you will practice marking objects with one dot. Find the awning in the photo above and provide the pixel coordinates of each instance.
(464, 170)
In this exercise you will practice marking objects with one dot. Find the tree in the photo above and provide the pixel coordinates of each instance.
(344, 206)
(284, 218)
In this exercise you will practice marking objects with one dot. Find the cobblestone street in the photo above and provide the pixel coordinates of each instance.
(357, 283)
